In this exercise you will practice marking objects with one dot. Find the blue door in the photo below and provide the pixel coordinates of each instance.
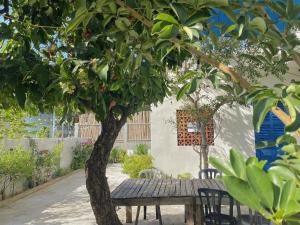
(271, 129)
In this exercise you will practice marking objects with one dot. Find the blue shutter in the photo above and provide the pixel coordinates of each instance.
(271, 129)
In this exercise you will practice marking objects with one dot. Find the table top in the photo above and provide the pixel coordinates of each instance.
(160, 191)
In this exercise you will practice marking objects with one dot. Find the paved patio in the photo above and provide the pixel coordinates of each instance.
(67, 202)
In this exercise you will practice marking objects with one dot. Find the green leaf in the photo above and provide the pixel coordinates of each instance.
(290, 148)
(197, 17)
(293, 107)
(231, 28)
(264, 144)
(167, 18)
(222, 166)
(188, 75)
(102, 71)
(287, 193)
(238, 163)
(157, 27)
(168, 32)
(194, 85)
(180, 11)
(286, 138)
(185, 88)
(290, 8)
(122, 23)
(261, 184)
(259, 23)
(241, 191)
(76, 21)
(261, 108)
(189, 32)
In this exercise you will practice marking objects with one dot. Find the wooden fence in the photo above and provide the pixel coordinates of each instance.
(136, 129)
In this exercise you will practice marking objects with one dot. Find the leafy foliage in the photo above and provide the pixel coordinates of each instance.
(274, 194)
(141, 149)
(14, 164)
(117, 155)
(134, 164)
(185, 176)
(81, 154)
(13, 124)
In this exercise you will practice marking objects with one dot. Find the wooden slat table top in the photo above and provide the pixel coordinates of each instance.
(141, 191)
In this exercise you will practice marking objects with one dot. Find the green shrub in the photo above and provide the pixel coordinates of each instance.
(134, 164)
(61, 172)
(141, 149)
(82, 153)
(185, 176)
(117, 155)
(46, 164)
(14, 164)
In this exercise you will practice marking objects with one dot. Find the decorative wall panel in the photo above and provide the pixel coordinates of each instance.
(184, 135)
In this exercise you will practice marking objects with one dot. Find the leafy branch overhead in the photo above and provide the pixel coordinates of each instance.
(128, 42)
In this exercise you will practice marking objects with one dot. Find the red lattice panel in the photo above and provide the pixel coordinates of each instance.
(185, 138)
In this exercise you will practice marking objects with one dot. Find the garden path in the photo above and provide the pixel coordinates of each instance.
(67, 203)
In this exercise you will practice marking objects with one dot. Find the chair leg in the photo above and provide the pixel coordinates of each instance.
(145, 212)
(137, 215)
(159, 214)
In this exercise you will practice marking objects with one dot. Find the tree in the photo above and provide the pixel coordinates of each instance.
(193, 86)
(108, 57)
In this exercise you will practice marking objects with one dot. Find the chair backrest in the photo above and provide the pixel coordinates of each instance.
(151, 174)
(211, 202)
(208, 174)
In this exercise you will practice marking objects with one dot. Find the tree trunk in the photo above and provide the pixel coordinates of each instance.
(204, 146)
(96, 181)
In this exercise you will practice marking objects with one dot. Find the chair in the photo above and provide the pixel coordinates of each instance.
(209, 173)
(150, 174)
(213, 200)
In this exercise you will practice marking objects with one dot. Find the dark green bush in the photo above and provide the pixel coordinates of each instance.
(134, 164)
(82, 153)
(141, 149)
(117, 155)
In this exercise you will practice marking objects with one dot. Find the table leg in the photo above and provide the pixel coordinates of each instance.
(189, 214)
(128, 214)
(137, 215)
(198, 216)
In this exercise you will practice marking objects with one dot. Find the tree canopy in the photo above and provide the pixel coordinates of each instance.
(97, 55)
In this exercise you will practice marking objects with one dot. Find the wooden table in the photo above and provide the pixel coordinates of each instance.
(145, 192)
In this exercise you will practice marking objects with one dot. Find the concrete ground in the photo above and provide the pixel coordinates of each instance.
(67, 202)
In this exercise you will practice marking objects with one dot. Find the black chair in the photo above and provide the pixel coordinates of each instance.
(209, 174)
(212, 212)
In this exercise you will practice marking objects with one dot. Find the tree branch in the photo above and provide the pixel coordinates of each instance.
(207, 59)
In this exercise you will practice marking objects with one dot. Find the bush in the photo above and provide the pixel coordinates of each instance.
(117, 155)
(134, 164)
(46, 164)
(61, 172)
(141, 149)
(14, 164)
(185, 176)
(82, 153)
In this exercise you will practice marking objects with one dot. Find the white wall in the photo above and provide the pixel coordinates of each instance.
(236, 131)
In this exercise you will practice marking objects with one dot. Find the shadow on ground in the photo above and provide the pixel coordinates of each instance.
(67, 203)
